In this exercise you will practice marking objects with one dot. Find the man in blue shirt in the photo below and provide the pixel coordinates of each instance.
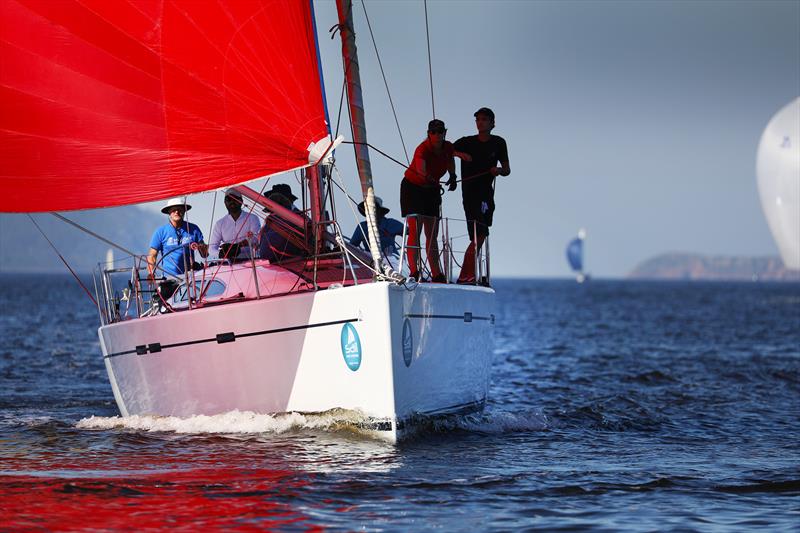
(388, 229)
(176, 241)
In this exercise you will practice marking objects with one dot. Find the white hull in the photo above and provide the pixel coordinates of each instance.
(287, 354)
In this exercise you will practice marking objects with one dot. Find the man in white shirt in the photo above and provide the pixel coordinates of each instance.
(233, 233)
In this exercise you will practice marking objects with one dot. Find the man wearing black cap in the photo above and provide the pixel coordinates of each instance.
(479, 168)
(274, 240)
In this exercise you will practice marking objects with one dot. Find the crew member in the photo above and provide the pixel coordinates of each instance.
(176, 241)
(420, 199)
(482, 153)
(232, 234)
(388, 229)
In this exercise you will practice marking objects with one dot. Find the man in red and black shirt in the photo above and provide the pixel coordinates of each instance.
(420, 199)
(479, 167)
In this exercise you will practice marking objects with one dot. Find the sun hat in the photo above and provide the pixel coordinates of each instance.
(172, 202)
(281, 188)
(378, 207)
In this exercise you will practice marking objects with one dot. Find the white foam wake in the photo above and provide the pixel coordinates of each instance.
(248, 422)
(241, 422)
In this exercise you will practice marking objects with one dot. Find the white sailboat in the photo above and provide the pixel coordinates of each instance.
(334, 329)
(778, 177)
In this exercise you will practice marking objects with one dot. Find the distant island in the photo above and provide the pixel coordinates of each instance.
(684, 266)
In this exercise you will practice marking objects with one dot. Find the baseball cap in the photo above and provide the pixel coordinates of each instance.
(485, 111)
(436, 124)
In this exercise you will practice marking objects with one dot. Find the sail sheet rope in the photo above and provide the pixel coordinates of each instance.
(387, 156)
(74, 275)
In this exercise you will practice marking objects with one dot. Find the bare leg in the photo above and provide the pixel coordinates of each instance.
(431, 225)
(413, 245)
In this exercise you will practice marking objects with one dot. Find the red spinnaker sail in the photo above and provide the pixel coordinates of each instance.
(106, 103)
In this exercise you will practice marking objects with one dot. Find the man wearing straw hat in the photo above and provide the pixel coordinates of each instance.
(176, 241)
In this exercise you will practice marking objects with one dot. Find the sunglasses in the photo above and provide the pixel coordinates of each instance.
(437, 130)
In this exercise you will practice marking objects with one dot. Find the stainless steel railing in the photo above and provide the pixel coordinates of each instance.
(451, 247)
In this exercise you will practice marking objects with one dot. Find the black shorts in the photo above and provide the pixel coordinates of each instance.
(479, 212)
(416, 200)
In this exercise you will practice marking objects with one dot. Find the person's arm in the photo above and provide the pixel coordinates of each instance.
(451, 169)
(256, 230)
(504, 169)
(394, 227)
(152, 256)
(421, 168)
(216, 237)
(200, 247)
(198, 244)
(250, 231)
(358, 236)
(459, 150)
(419, 165)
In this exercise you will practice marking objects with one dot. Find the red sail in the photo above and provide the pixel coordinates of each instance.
(110, 103)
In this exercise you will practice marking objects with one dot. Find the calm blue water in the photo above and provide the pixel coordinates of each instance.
(614, 406)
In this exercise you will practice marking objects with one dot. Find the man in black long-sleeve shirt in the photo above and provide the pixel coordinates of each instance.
(478, 170)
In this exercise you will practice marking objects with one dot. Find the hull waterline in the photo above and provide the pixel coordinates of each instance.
(394, 355)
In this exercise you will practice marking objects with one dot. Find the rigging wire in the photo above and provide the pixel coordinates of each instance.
(345, 66)
(213, 211)
(89, 294)
(385, 82)
(341, 102)
(430, 65)
(93, 234)
(387, 156)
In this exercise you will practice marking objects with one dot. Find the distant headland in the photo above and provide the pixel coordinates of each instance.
(685, 266)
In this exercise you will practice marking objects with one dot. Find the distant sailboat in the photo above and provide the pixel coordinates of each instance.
(575, 256)
(778, 172)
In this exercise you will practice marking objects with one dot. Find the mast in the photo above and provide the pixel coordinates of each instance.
(358, 125)
(316, 185)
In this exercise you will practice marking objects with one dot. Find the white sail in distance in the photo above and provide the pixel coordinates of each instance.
(778, 175)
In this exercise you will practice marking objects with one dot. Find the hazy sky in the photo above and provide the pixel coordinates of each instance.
(636, 120)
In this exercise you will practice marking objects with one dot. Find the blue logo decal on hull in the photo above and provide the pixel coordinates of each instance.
(351, 347)
(408, 343)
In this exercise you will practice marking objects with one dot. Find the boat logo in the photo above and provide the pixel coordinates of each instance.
(408, 342)
(351, 347)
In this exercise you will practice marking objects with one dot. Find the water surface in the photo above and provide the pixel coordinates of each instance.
(613, 406)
